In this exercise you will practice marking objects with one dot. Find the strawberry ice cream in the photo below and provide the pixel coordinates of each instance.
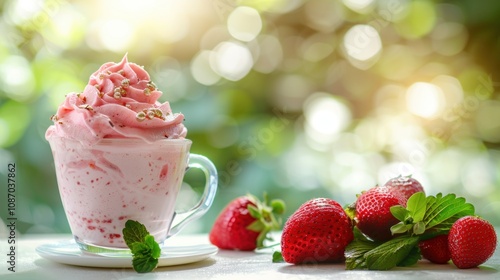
(119, 154)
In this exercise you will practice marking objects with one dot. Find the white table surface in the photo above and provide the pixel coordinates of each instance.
(224, 265)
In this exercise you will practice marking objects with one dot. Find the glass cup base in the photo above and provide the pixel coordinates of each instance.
(103, 250)
(100, 250)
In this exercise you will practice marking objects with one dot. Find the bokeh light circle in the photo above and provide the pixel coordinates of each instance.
(231, 60)
(363, 45)
(244, 23)
(425, 100)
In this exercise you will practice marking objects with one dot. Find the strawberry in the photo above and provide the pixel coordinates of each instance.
(472, 241)
(317, 232)
(435, 249)
(245, 222)
(406, 185)
(373, 215)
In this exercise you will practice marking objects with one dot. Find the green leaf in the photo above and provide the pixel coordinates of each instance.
(254, 212)
(390, 253)
(355, 253)
(419, 228)
(140, 249)
(412, 258)
(278, 257)
(144, 263)
(358, 235)
(440, 209)
(154, 247)
(256, 226)
(400, 227)
(399, 212)
(400, 251)
(144, 248)
(416, 205)
(431, 203)
(134, 232)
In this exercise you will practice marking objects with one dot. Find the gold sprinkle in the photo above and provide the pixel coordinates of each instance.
(86, 106)
(121, 72)
(151, 85)
(147, 91)
(151, 114)
(140, 116)
(119, 92)
(125, 83)
(54, 118)
(158, 113)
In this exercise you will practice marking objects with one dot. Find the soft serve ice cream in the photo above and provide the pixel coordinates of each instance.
(120, 101)
(111, 157)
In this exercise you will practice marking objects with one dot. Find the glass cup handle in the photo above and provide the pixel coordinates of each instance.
(182, 218)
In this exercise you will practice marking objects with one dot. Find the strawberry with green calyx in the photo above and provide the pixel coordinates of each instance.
(423, 218)
(245, 222)
(472, 241)
(317, 232)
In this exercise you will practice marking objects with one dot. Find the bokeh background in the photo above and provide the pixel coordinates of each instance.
(297, 98)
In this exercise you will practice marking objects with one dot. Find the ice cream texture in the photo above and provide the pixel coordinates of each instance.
(120, 101)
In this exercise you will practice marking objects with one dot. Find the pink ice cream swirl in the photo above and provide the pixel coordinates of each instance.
(120, 101)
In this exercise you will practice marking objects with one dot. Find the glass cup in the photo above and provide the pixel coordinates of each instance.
(104, 185)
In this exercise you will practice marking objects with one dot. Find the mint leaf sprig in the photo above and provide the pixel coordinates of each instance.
(144, 248)
(423, 218)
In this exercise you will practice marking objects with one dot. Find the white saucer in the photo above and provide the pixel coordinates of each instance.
(68, 252)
